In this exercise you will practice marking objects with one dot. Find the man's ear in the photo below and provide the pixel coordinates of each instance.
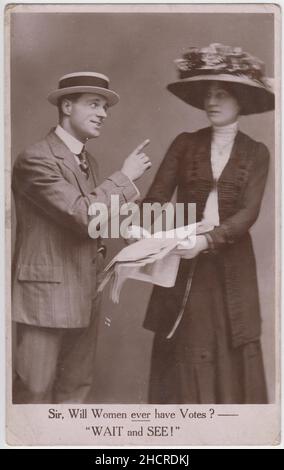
(66, 106)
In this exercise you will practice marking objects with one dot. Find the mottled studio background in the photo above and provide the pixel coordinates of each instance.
(137, 50)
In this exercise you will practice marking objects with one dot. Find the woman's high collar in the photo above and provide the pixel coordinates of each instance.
(226, 131)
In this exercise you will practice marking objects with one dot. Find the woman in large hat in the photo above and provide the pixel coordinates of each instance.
(207, 343)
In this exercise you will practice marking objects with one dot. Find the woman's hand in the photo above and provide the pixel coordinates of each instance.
(130, 240)
(134, 233)
(189, 253)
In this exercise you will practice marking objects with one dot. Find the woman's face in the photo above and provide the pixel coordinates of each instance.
(221, 107)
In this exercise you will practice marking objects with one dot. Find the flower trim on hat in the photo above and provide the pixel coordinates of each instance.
(218, 58)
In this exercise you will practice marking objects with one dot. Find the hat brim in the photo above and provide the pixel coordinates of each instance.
(111, 96)
(255, 98)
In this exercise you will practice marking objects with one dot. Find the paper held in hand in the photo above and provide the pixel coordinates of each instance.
(151, 258)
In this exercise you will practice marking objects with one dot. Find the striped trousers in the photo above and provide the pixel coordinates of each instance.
(54, 365)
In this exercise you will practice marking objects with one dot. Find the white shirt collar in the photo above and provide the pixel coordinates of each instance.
(72, 143)
(228, 129)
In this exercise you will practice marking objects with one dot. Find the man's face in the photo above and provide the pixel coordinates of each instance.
(84, 117)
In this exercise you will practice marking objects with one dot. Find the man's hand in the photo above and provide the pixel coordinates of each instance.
(137, 162)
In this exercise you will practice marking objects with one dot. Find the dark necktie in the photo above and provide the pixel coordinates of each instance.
(84, 167)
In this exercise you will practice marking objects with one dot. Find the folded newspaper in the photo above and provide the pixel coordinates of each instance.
(153, 258)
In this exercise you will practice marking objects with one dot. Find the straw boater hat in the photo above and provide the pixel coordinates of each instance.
(217, 62)
(84, 82)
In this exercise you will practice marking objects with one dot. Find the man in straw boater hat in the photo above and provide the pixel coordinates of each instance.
(54, 300)
(208, 326)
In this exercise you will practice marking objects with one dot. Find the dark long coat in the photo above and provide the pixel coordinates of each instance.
(187, 166)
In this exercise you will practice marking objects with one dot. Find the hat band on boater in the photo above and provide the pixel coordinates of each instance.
(86, 80)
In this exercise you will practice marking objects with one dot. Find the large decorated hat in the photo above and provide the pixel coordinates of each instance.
(218, 62)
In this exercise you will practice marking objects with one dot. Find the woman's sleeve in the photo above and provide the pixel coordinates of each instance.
(237, 225)
(166, 177)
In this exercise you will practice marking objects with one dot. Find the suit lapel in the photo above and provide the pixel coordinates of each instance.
(232, 167)
(202, 155)
(61, 151)
(236, 169)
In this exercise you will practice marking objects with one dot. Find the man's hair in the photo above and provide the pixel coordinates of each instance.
(72, 97)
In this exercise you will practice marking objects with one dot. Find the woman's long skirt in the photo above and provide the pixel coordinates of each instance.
(198, 364)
